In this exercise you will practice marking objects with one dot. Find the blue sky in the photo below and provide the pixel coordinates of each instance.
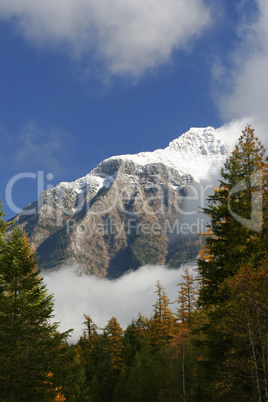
(82, 80)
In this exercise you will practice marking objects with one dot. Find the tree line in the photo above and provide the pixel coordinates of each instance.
(212, 346)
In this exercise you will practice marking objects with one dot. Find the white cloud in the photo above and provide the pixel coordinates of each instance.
(249, 78)
(230, 132)
(128, 36)
(102, 299)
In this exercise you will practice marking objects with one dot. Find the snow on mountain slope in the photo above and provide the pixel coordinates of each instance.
(199, 152)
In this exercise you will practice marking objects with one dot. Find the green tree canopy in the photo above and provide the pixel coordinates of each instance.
(31, 348)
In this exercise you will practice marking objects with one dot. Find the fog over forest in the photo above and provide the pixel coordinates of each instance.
(102, 299)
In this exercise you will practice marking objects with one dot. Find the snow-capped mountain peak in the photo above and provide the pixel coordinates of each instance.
(199, 153)
(200, 141)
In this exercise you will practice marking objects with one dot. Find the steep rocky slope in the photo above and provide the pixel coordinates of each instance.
(126, 212)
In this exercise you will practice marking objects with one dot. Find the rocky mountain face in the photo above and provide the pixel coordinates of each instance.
(129, 211)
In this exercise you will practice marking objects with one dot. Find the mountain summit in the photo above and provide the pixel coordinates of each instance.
(127, 211)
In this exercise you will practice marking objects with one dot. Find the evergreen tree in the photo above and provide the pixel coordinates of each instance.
(163, 324)
(31, 348)
(186, 298)
(185, 311)
(237, 236)
(139, 383)
(244, 373)
(115, 344)
(89, 336)
(135, 336)
(237, 233)
(73, 378)
(88, 347)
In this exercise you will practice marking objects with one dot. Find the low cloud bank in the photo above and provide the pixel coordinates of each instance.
(102, 299)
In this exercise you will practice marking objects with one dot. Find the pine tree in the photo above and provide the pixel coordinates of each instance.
(163, 324)
(186, 298)
(139, 382)
(89, 335)
(31, 348)
(73, 378)
(185, 311)
(87, 348)
(115, 344)
(245, 369)
(135, 336)
(235, 235)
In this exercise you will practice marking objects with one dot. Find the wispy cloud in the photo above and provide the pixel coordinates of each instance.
(127, 37)
(102, 299)
(36, 148)
(247, 79)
